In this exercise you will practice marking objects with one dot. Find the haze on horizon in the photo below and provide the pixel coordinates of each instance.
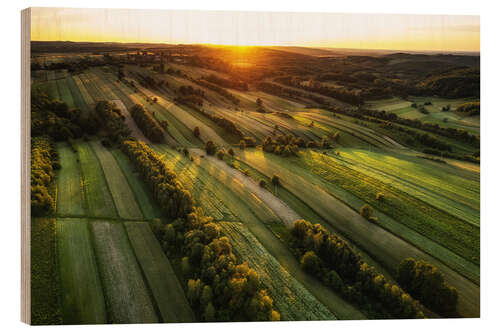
(356, 31)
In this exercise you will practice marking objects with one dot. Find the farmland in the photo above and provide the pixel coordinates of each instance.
(113, 247)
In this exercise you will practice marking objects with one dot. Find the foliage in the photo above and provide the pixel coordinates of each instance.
(114, 121)
(210, 147)
(43, 158)
(424, 282)
(147, 123)
(332, 260)
(54, 118)
(233, 290)
(471, 108)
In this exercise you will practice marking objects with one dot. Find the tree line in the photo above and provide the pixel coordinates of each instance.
(288, 145)
(221, 91)
(331, 259)
(147, 123)
(44, 160)
(114, 121)
(423, 281)
(341, 94)
(219, 286)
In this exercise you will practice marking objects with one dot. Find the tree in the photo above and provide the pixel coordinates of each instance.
(231, 152)
(276, 182)
(310, 262)
(210, 147)
(366, 211)
(220, 154)
(186, 266)
(196, 132)
(380, 196)
(242, 145)
(262, 183)
(209, 314)
(206, 295)
(259, 102)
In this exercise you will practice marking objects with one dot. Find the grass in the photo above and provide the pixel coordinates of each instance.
(148, 206)
(176, 128)
(78, 98)
(443, 186)
(383, 246)
(99, 200)
(121, 192)
(258, 218)
(65, 93)
(457, 235)
(126, 293)
(290, 298)
(45, 284)
(166, 289)
(83, 300)
(70, 196)
(85, 94)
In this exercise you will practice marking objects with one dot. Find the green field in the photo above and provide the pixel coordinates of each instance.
(127, 297)
(45, 284)
(149, 208)
(121, 192)
(291, 299)
(376, 241)
(83, 300)
(99, 199)
(161, 278)
(70, 196)
(100, 256)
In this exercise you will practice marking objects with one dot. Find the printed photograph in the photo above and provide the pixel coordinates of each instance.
(218, 166)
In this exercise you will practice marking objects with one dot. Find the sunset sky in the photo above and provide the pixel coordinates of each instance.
(364, 31)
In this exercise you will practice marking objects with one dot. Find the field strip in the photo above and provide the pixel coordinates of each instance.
(83, 300)
(65, 93)
(253, 213)
(144, 198)
(244, 204)
(130, 122)
(127, 296)
(93, 90)
(78, 98)
(45, 286)
(321, 178)
(99, 200)
(123, 196)
(70, 199)
(129, 99)
(166, 289)
(285, 213)
(381, 244)
(207, 133)
(86, 96)
(448, 200)
(291, 299)
(206, 190)
(363, 131)
(105, 90)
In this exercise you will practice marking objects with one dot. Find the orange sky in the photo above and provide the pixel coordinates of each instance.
(364, 31)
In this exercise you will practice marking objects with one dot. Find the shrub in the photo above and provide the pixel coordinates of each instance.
(210, 148)
(196, 132)
(423, 281)
(366, 211)
(380, 196)
(220, 154)
(262, 183)
(310, 263)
